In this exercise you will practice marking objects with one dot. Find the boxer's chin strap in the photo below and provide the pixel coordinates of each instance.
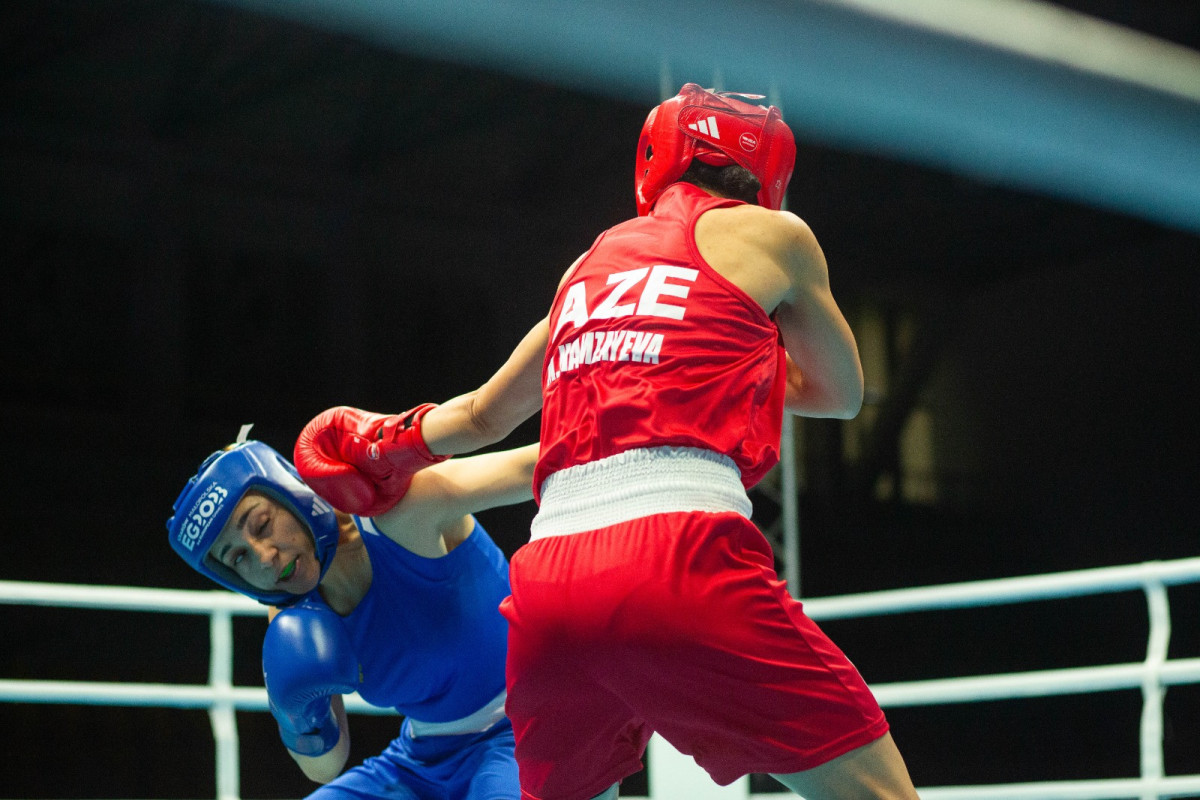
(244, 432)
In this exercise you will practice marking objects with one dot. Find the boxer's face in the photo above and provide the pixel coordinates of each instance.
(268, 547)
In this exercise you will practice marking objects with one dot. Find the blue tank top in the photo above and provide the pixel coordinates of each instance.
(428, 635)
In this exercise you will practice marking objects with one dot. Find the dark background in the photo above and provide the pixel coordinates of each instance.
(212, 218)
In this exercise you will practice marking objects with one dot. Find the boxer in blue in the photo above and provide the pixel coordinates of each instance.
(400, 606)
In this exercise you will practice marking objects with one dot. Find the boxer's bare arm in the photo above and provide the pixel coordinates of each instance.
(491, 412)
(774, 257)
(825, 377)
(432, 517)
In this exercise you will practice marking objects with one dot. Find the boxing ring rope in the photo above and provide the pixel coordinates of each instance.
(1152, 675)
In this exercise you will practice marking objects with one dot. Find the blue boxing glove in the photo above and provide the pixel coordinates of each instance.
(307, 658)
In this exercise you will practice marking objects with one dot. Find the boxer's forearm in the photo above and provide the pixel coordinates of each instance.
(490, 413)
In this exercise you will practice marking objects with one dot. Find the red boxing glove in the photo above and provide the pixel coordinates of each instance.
(361, 462)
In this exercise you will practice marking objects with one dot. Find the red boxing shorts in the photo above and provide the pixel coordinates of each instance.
(675, 623)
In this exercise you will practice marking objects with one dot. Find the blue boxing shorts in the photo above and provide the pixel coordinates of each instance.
(475, 766)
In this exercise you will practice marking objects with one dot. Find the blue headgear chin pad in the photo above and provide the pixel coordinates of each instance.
(208, 499)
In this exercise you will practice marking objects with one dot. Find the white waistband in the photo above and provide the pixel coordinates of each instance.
(477, 722)
(638, 483)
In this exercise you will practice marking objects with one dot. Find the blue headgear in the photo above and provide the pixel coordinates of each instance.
(207, 501)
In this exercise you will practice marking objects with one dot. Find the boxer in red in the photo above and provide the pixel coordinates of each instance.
(646, 600)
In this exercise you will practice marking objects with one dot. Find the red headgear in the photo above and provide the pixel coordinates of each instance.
(719, 130)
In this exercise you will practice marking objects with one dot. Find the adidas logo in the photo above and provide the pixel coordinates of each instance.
(320, 507)
(706, 127)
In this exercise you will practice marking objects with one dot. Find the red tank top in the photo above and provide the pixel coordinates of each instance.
(650, 346)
